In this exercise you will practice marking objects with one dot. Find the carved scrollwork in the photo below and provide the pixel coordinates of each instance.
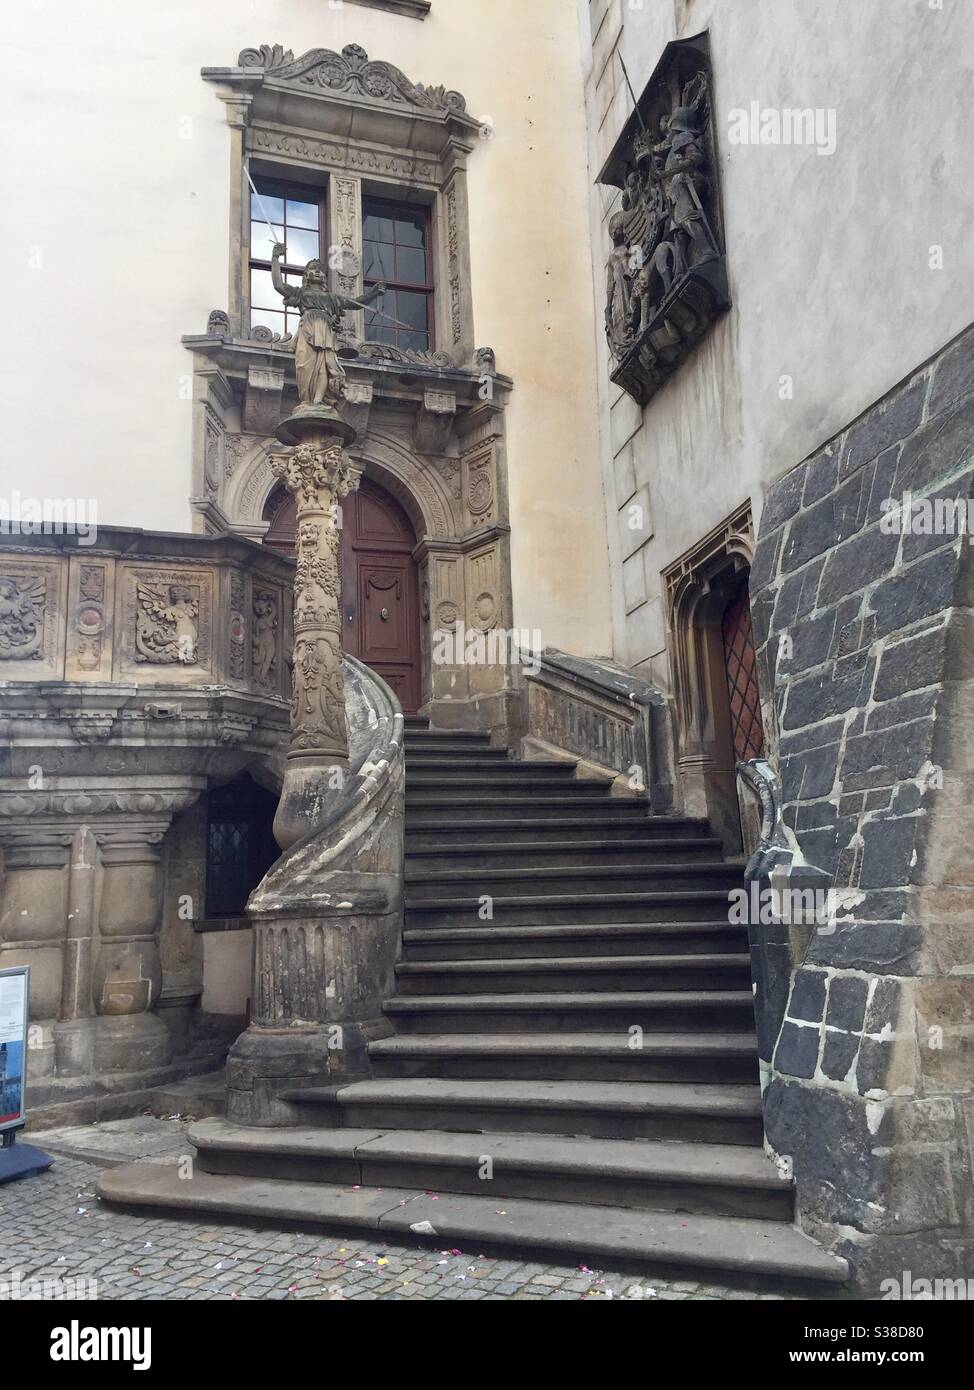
(385, 352)
(350, 71)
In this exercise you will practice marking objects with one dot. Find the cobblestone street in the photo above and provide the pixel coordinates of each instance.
(53, 1227)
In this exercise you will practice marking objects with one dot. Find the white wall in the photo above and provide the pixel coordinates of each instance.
(114, 225)
(828, 256)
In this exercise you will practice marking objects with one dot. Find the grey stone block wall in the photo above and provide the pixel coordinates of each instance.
(866, 659)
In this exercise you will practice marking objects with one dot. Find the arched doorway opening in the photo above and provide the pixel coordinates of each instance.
(380, 587)
(715, 672)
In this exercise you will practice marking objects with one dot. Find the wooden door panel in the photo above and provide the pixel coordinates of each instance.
(380, 588)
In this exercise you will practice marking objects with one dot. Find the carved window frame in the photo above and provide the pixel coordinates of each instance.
(356, 127)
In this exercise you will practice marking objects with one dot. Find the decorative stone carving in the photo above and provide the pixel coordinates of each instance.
(479, 493)
(264, 654)
(385, 352)
(486, 361)
(310, 149)
(218, 324)
(666, 279)
(90, 616)
(238, 627)
(211, 454)
(434, 421)
(23, 600)
(165, 624)
(350, 71)
(319, 476)
(358, 404)
(262, 402)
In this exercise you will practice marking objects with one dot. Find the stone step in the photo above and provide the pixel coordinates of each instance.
(581, 879)
(694, 1113)
(431, 755)
(436, 833)
(648, 1010)
(562, 974)
(541, 854)
(425, 807)
(643, 1175)
(451, 769)
(524, 910)
(662, 1243)
(556, 781)
(729, 1058)
(586, 939)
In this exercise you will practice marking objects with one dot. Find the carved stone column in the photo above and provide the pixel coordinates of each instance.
(319, 475)
(127, 978)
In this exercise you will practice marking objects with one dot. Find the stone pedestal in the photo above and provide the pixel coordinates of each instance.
(316, 470)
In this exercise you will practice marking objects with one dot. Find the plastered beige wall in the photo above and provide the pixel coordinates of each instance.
(114, 224)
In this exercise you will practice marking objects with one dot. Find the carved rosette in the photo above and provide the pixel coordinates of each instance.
(317, 472)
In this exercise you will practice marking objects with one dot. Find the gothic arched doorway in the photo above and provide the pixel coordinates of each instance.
(380, 589)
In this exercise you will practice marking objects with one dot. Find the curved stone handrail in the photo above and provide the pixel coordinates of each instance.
(348, 855)
(328, 924)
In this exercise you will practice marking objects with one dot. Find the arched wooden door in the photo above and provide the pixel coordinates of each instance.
(380, 589)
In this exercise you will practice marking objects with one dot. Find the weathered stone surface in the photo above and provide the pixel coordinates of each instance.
(797, 1050)
(838, 1054)
(953, 376)
(821, 476)
(894, 420)
(939, 449)
(808, 996)
(847, 1002)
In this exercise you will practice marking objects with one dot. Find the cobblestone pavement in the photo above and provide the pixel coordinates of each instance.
(53, 1227)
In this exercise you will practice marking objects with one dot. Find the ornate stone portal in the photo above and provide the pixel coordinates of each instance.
(666, 279)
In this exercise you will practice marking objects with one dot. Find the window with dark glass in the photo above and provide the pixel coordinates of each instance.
(297, 215)
(396, 250)
(240, 845)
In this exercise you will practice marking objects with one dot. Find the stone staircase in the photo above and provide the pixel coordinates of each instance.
(574, 1067)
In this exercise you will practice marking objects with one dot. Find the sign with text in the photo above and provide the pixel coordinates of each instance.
(14, 990)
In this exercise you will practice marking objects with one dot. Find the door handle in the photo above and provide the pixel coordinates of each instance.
(384, 614)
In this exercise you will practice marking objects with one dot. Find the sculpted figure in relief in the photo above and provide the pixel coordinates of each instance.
(165, 625)
(21, 617)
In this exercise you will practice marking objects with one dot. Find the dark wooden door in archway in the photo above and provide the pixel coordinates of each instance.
(380, 590)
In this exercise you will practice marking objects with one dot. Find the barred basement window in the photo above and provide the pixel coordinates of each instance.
(240, 845)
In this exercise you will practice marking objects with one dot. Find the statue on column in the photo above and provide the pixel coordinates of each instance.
(320, 375)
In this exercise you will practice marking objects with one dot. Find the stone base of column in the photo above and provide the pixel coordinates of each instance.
(265, 1065)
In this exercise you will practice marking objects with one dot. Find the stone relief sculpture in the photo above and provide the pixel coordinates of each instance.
(320, 376)
(665, 274)
(22, 603)
(165, 624)
(264, 655)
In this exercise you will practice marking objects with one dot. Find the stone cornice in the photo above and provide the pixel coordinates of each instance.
(351, 71)
(347, 82)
